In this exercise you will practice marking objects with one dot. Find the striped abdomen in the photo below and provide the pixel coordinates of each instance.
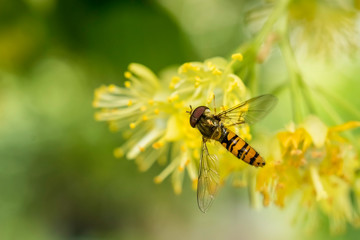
(234, 144)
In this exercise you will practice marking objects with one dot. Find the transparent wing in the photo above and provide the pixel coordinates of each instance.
(208, 181)
(249, 111)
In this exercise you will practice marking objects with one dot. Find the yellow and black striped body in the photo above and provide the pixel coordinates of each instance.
(212, 128)
(241, 149)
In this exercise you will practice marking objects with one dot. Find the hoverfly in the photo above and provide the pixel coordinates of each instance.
(216, 127)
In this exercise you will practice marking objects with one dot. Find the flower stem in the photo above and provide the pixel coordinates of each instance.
(273, 18)
(254, 203)
(298, 88)
(254, 80)
(250, 49)
(294, 74)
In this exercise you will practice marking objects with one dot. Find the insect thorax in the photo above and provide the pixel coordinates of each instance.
(209, 126)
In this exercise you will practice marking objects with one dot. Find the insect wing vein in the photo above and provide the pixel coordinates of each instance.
(250, 111)
(208, 179)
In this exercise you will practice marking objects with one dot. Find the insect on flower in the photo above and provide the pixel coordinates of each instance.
(216, 127)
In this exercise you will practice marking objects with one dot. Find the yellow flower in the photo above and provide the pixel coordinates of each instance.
(198, 81)
(328, 29)
(134, 110)
(152, 122)
(319, 165)
(205, 83)
(151, 113)
(325, 28)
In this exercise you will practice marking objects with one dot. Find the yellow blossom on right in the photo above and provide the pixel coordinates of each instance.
(314, 164)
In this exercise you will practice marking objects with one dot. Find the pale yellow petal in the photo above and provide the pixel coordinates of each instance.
(345, 126)
(317, 130)
(144, 73)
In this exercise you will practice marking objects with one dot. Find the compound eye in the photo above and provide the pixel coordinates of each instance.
(196, 114)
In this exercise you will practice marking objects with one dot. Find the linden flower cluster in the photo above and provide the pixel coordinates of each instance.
(317, 28)
(151, 113)
(313, 162)
(325, 28)
(310, 163)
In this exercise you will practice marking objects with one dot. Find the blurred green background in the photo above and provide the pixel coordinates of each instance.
(58, 176)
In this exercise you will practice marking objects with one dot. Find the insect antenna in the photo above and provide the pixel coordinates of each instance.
(190, 112)
(214, 105)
